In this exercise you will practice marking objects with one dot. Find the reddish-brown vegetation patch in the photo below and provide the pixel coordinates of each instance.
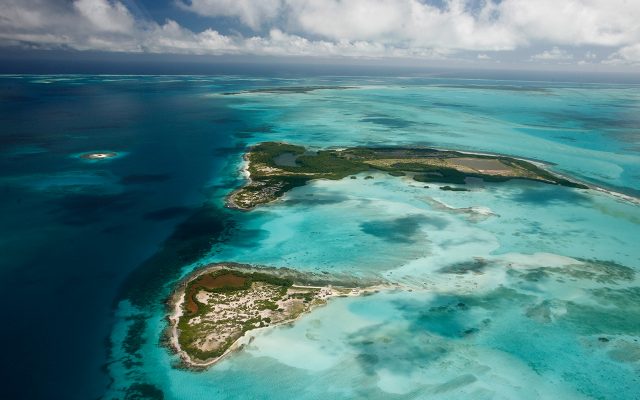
(211, 282)
(229, 280)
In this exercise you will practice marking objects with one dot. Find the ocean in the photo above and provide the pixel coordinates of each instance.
(511, 290)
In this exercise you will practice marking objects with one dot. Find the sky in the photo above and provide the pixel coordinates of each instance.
(588, 34)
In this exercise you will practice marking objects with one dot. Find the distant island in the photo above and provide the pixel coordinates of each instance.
(289, 89)
(212, 310)
(274, 168)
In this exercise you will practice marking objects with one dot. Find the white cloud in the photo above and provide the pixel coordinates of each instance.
(589, 58)
(106, 16)
(490, 25)
(629, 55)
(353, 28)
(43, 24)
(573, 22)
(400, 23)
(109, 26)
(251, 13)
(555, 54)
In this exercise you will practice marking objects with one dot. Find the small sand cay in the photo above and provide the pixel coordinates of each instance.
(103, 155)
(212, 310)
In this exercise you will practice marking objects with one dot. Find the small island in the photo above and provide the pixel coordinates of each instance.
(213, 309)
(275, 168)
(99, 155)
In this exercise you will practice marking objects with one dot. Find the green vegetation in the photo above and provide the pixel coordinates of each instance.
(243, 281)
(220, 306)
(267, 151)
(267, 305)
(306, 297)
(453, 189)
(397, 173)
(435, 174)
(545, 175)
(270, 180)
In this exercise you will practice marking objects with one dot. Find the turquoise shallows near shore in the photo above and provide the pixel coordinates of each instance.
(512, 290)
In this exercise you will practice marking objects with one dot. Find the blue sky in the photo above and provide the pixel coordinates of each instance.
(587, 34)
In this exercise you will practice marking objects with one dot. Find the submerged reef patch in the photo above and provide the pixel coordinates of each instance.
(402, 229)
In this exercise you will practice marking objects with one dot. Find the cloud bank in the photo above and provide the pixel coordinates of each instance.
(554, 54)
(481, 29)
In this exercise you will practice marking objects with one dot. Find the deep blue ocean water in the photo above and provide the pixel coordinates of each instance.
(72, 230)
(91, 248)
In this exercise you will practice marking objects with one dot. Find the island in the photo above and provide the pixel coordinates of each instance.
(99, 155)
(211, 310)
(274, 168)
(288, 90)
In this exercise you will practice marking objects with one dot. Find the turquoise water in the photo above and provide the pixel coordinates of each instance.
(589, 131)
(511, 290)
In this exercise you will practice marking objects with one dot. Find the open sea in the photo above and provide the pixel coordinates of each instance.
(516, 290)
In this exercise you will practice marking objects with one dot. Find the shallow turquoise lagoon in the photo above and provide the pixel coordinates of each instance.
(513, 290)
(589, 131)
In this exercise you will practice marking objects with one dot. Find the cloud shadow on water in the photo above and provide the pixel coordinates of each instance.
(167, 213)
(550, 195)
(403, 229)
(390, 122)
(85, 209)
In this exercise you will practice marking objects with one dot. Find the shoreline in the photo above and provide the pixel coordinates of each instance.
(244, 171)
(543, 165)
(177, 298)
